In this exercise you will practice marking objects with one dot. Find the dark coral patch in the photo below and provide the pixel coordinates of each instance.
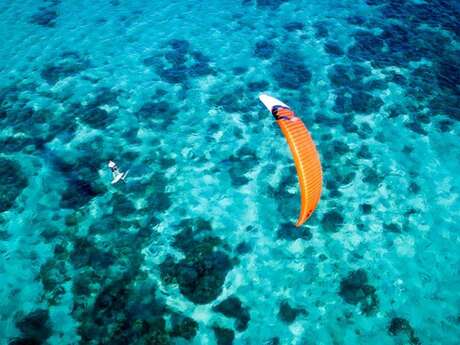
(364, 152)
(264, 50)
(342, 104)
(96, 117)
(392, 227)
(240, 70)
(158, 200)
(174, 75)
(293, 26)
(201, 277)
(270, 4)
(366, 208)
(36, 325)
(46, 16)
(259, 86)
(179, 63)
(333, 48)
(321, 30)
(400, 326)
(200, 69)
(367, 47)
(24, 341)
(85, 253)
(183, 327)
(53, 275)
(241, 249)
(202, 272)
(354, 289)
(79, 192)
(180, 46)
(104, 96)
(375, 84)
(356, 20)
(448, 73)
(289, 231)
(232, 307)
(287, 313)
(339, 147)
(364, 103)
(160, 113)
(68, 65)
(241, 163)
(371, 176)
(416, 128)
(232, 102)
(12, 183)
(332, 221)
(273, 341)
(122, 205)
(16, 143)
(224, 336)
(290, 72)
(343, 76)
(4, 235)
(327, 120)
(133, 317)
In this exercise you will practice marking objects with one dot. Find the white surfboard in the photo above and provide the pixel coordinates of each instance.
(120, 177)
(270, 102)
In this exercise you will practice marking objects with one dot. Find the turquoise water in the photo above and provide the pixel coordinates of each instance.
(198, 246)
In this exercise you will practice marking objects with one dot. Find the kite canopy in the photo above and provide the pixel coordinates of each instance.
(306, 158)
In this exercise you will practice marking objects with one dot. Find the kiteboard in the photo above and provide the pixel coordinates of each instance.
(119, 177)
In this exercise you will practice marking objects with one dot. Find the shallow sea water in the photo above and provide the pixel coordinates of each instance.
(198, 246)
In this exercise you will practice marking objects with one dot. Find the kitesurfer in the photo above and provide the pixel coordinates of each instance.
(117, 175)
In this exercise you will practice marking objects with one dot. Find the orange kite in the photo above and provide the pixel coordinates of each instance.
(303, 151)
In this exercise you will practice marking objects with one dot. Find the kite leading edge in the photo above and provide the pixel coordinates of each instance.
(306, 158)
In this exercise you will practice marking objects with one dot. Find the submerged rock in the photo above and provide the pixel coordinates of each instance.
(85, 253)
(232, 307)
(364, 103)
(36, 325)
(121, 313)
(201, 274)
(185, 64)
(241, 249)
(287, 313)
(289, 231)
(290, 72)
(366, 208)
(354, 289)
(67, 66)
(184, 327)
(270, 4)
(293, 26)
(201, 277)
(160, 113)
(273, 341)
(332, 48)
(96, 117)
(321, 30)
(12, 183)
(400, 326)
(46, 17)
(224, 336)
(241, 163)
(332, 221)
(24, 341)
(79, 192)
